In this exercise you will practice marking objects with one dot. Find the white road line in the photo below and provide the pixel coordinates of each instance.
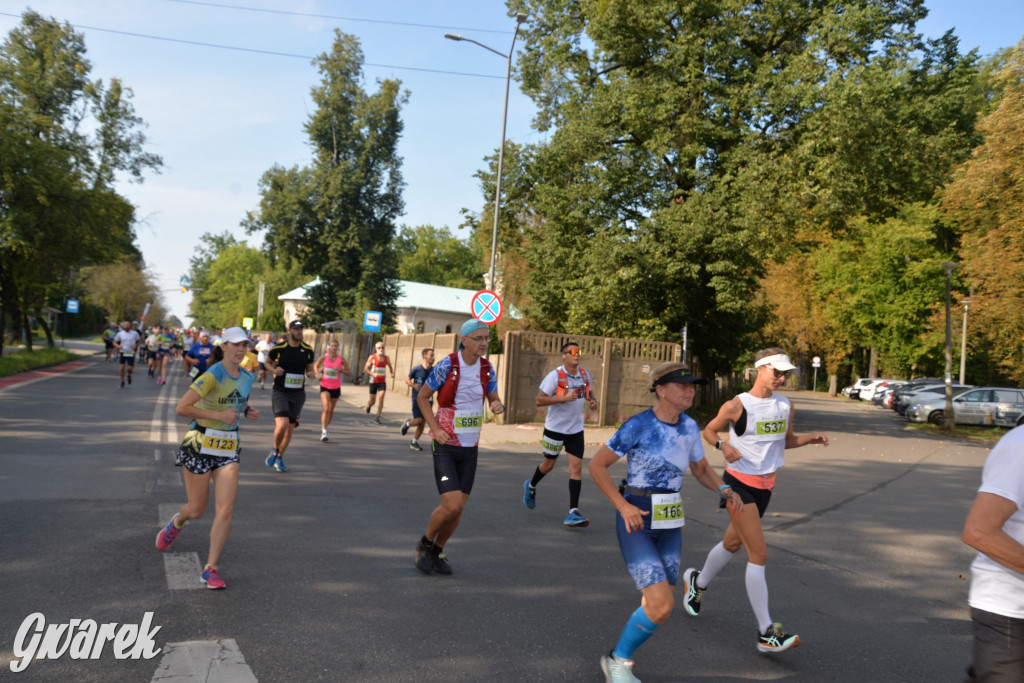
(156, 454)
(183, 570)
(204, 661)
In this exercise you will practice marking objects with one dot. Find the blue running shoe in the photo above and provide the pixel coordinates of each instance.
(529, 495)
(575, 519)
(166, 537)
(279, 465)
(272, 458)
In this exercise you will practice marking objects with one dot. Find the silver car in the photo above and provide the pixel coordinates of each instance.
(992, 406)
(923, 392)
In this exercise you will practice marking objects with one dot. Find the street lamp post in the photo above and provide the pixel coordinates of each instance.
(963, 344)
(520, 18)
(947, 415)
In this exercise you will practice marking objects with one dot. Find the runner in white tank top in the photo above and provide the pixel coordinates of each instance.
(760, 426)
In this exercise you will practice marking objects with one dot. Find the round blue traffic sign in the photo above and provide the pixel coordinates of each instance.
(486, 307)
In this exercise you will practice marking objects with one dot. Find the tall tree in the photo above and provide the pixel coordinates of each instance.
(123, 289)
(986, 201)
(64, 140)
(436, 257)
(693, 142)
(336, 217)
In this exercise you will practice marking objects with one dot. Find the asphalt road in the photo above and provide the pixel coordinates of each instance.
(866, 563)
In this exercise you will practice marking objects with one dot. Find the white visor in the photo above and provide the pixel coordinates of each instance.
(779, 361)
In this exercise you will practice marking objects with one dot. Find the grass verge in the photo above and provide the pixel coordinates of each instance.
(992, 434)
(14, 363)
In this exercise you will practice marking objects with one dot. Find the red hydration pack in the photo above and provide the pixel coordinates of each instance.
(446, 394)
(563, 382)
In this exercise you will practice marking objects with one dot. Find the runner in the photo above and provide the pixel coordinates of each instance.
(327, 370)
(290, 363)
(464, 380)
(760, 427)
(261, 352)
(563, 391)
(251, 362)
(127, 343)
(108, 339)
(417, 376)
(377, 366)
(215, 402)
(153, 351)
(658, 444)
(198, 357)
(166, 342)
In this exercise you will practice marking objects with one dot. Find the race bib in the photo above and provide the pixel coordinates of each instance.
(331, 373)
(667, 511)
(293, 381)
(194, 372)
(468, 422)
(769, 429)
(550, 446)
(380, 370)
(219, 443)
(127, 354)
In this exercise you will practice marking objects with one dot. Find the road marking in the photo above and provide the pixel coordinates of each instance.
(8, 383)
(203, 661)
(183, 570)
(156, 454)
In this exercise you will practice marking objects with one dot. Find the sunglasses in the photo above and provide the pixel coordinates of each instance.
(780, 373)
(574, 352)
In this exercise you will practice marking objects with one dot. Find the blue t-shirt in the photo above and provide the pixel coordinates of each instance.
(419, 375)
(220, 391)
(200, 353)
(658, 454)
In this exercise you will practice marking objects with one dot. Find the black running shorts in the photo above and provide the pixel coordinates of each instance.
(288, 403)
(454, 467)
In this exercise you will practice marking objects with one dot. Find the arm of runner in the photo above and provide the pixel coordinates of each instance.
(252, 414)
(983, 530)
(707, 476)
(423, 401)
(367, 367)
(318, 365)
(547, 400)
(495, 403)
(187, 408)
(599, 464)
(729, 412)
(311, 371)
(794, 441)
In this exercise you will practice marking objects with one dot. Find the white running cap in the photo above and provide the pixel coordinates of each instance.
(779, 361)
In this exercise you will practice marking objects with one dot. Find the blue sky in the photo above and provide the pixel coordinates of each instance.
(221, 117)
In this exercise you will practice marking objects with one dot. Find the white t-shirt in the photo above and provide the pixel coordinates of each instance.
(128, 340)
(564, 418)
(261, 350)
(995, 587)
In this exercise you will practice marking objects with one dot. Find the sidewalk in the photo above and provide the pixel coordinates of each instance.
(398, 407)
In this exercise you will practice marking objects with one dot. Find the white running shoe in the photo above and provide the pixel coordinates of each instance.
(323, 435)
(617, 670)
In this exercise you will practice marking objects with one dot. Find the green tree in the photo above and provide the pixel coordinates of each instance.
(436, 257)
(986, 201)
(63, 139)
(123, 289)
(693, 143)
(336, 217)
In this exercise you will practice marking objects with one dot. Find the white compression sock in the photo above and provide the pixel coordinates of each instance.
(757, 593)
(717, 558)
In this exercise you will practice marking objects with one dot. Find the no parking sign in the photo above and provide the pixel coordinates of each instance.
(486, 307)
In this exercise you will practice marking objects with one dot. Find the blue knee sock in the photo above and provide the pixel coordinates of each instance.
(638, 629)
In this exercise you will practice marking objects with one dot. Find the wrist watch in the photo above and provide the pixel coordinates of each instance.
(718, 444)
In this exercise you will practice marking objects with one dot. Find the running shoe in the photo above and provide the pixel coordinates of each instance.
(774, 640)
(405, 428)
(166, 537)
(279, 464)
(368, 409)
(415, 445)
(122, 384)
(323, 435)
(441, 565)
(272, 458)
(425, 557)
(576, 519)
(211, 579)
(129, 378)
(529, 495)
(377, 419)
(617, 670)
(692, 595)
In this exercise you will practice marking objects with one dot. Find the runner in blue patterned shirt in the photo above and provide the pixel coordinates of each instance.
(659, 445)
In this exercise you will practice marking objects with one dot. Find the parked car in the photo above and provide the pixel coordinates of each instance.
(992, 406)
(912, 385)
(907, 397)
(854, 391)
(883, 394)
(867, 392)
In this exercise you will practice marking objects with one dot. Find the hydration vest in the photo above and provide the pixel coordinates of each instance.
(446, 394)
(563, 382)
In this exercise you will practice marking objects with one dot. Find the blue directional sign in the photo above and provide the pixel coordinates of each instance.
(371, 321)
(185, 281)
(72, 306)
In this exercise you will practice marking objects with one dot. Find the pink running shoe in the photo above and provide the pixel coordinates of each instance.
(211, 579)
(166, 537)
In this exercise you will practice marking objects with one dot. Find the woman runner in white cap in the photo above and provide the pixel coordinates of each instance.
(760, 426)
